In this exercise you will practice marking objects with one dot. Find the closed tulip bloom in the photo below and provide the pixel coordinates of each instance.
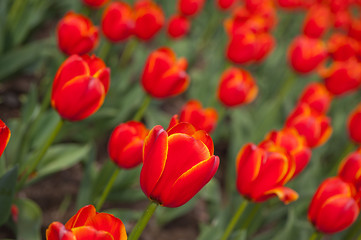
(342, 47)
(333, 207)
(261, 173)
(149, 19)
(4, 136)
(225, 4)
(350, 169)
(117, 21)
(317, 97)
(236, 87)
(190, 7)
(76, 34)
(202, 119)
(95, 3)
(79, 87)
(176, 164)
(87, 224)
(354, 30)
(354, 125)
(178, 26)
(306, 54)
(315, 127)
(126, 144)
(342, 77)
(317, 21)
(164, 75)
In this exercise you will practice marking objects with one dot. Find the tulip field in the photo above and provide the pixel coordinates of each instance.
(184, 119)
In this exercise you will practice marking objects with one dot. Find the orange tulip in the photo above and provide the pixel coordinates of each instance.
(342, 47)
(261, 173)
(192, 112)
(317, 97)
(164, 75)
(117, 21)
(237, 87)
(315, 127)
(176, 164)
(79, 87)
(149, 19)
(178, 26)
(76, 34)
(87, 224)
(317, 21)
(126, 144)
(333, 207)
(350, 169)
(354, 125)
(4, 136)
(95, 3)
(306, 54)
(190, 7)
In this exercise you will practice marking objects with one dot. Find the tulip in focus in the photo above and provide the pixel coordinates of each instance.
(350, 169)
(262, 174)
(202, 119)
(87, 224)
(178, 26)
(4, 136)
(149, 19)
(333, 207)
(354, 125)
(317, 21)
(117, 21)
(164, 75)
(76, 34)
(79, 87)
(176, 164)
(190, 7)
(125, 145)
(237, 87)
(95, 3)
(317, 97)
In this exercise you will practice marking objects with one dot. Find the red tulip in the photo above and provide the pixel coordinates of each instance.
(79, 87)
(178, 26)
(317, 21)
(342, 20)
(333, 207)
(317, 97)
(306, 54)
(117, 21)
(354, 30)
(342, 47)
(342, 77)
(126, 144)
(350, 169)
(95, 3)
(4, 136)
(76, 34)
(149, 19)
(190, 7)
(87, 224)
(261, 173)
(315, 127)
(225, 4)
(202, 119)
(354, 125)
(164, 75)
(294, 144)
(290, 4)
(176, 164)
(237, 87)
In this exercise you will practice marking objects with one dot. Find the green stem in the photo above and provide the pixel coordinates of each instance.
(315, 236)
(251, 216)
(234, 220)
(139, 114)
(142, 222)
(107, 189)
(352, 232)
(36, 160)
(128, 51)
(104, 50)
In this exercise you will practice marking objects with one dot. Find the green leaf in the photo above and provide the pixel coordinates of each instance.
(165, 215)
(29, 220)
(7, 192)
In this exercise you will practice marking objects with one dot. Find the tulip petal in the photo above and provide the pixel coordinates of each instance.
(206, 139)
(132, 154)
(80, 218)
(4, 136)
(104, 76)
(109, 224)
(173, 121)
(89, 233)
(182, 127)
(57, 231)
(285, 194)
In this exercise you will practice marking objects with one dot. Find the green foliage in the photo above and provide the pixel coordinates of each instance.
(7, 193)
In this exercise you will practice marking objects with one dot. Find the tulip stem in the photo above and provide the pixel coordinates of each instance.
(104, 50)
(107, 189)
(139, 114)
(36, 160)
(142, 222)
(316, 236)
(128, 51)
(235, 219)
(251, 216)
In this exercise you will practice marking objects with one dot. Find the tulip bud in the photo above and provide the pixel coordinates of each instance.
(315, 127)
(306, 54)
(354, 125)
(117, 21)
(225, 4)
(79, 87)
(95, 3)
(342, 47)
(164, 75)
(317, 97)
(350, 169)
(178, 26)
(236, 87)
(176, 164)
(76, 34)
(190, 7)
(333, 207)
(317, 21)
(4, 136)
(262, 173)
(149, 19)
(88, 224)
